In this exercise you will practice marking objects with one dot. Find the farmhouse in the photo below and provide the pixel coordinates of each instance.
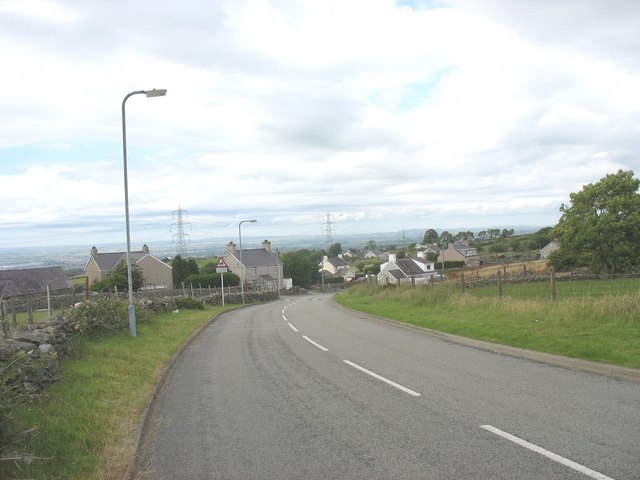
(259, 267)
(156, 273)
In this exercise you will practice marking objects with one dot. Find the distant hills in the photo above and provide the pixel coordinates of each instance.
(74, 257)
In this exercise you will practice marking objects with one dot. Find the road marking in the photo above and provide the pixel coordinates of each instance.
(553, 456)
(292, 327)
(380, 377)
(314, 343)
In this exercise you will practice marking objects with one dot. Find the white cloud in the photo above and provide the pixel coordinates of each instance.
(388, 115)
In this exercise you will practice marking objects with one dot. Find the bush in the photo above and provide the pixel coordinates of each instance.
(188, 303)
(103, 317)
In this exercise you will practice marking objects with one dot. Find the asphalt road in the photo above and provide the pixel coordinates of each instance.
(301, 389)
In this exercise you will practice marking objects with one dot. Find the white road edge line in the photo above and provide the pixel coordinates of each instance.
(385, 380)
(314, 343)
(293, 328)
(553, 456)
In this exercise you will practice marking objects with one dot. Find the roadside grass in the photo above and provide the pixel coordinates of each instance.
(87, 422)
(600, 328)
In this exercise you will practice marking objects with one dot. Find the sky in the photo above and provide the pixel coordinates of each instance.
(384, 115)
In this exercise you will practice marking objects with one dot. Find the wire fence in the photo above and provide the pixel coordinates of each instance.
(550, 285)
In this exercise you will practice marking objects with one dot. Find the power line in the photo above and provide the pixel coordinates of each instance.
(179, 238)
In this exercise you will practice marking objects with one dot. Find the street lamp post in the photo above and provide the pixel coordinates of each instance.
(242, 275)
(148, 93)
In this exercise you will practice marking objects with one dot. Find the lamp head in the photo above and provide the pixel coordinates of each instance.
(156, 93)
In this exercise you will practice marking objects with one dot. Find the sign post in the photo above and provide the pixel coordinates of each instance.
(222, 268)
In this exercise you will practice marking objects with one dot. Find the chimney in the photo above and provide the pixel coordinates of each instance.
(392, 257)
(94, 251)
(266, 245)
(231, 247)
(145, 248)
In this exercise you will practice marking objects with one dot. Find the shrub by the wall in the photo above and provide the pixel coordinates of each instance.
(188, 303)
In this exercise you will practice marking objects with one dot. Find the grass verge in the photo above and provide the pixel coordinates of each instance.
(88, 421)
(601, 328)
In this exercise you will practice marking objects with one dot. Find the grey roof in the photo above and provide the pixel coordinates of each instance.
(107, 261)
(32, 280)
(344, 272)
(337, 262)
(256, 257)
(407, 267)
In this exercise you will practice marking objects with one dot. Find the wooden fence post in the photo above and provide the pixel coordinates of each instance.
(14, 315)
(48, 301)
(554, 295)
(499, 284)
(29, 312)
(462, 282)
(5, 323)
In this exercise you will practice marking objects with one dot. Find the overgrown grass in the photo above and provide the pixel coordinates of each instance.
(602, 328)
(88, 421)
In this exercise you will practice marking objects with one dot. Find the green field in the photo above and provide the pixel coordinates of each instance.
(602, 328)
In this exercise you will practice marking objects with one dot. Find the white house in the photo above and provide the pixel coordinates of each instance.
(406, 270)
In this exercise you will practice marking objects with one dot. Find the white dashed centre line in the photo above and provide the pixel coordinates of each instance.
(385, 380)
(314, 343)
(292, 327)
(553, 456)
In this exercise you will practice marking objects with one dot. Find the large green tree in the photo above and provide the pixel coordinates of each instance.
(334, 250)
(181, 269)
(430, 237)
(600, 227)
(301, 266)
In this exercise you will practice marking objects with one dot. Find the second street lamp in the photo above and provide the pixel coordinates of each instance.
(132, 310)
(242, 271)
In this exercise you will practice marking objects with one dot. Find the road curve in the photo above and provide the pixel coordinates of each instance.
(301, 389)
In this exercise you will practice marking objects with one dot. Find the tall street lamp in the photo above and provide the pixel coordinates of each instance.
(132, 310)
(253, 220)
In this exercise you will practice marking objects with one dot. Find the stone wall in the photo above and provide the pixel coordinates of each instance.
(30, 356)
